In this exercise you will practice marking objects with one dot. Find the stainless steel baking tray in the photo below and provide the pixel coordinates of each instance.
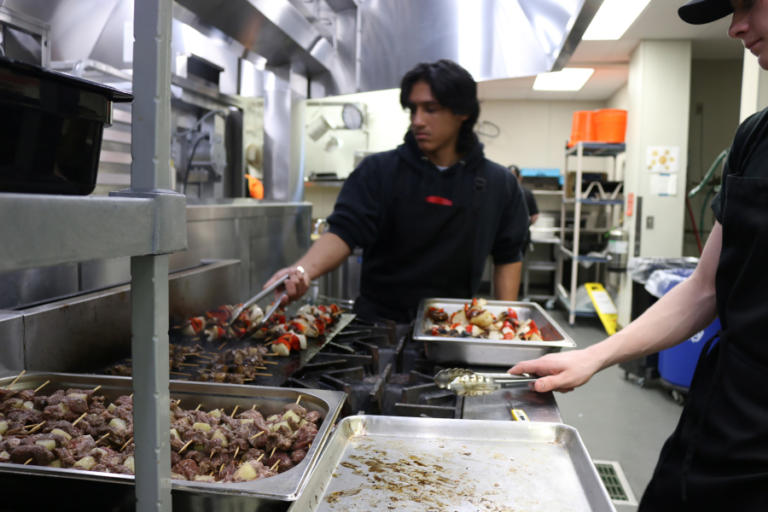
(425, 464)
(284, 486)
(478, 351)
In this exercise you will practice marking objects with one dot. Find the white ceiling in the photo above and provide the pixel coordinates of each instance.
(610, 59)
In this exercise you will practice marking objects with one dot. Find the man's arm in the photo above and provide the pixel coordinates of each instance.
(506, 280)
(685, 310)
(328, 252)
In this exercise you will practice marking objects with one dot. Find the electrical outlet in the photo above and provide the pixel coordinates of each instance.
(649, 222)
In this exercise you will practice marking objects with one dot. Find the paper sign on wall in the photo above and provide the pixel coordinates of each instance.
(664, 184)
(662, 158)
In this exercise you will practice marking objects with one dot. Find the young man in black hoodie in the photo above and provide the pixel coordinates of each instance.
(428, 213)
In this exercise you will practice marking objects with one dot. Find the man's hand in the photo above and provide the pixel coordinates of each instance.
(563, 371)
(297, 283)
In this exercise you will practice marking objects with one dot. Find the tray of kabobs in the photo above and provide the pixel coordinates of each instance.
(486, 332)
(224, 438)
(210, 348)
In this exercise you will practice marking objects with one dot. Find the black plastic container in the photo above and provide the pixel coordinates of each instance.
(51, 128)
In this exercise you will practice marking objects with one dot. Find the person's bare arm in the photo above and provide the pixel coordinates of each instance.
(685, 310)
(506, 280)
(327, 253)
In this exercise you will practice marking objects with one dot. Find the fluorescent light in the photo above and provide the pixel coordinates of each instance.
(613, 19)
(568, 79)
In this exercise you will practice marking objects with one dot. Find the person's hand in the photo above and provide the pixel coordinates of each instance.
(562, 371)
(297, 283)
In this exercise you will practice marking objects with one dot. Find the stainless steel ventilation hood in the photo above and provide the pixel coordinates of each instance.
(492, 38)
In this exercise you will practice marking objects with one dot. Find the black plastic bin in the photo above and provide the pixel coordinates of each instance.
(51, 128)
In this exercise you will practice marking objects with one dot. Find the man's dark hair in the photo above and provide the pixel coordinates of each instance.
(454, 88)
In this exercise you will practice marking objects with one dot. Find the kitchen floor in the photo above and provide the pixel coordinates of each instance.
(616, 418)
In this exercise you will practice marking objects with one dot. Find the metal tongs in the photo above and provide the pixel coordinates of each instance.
(468, 383)
(250, 302)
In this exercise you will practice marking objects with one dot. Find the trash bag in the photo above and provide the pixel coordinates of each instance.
(661, 281)
(640, 269)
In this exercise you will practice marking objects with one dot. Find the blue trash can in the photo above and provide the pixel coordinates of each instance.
(677, 364)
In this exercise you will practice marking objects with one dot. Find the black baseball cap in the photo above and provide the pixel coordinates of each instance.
(698, 12)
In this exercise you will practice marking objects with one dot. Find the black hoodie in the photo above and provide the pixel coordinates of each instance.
(394, 277)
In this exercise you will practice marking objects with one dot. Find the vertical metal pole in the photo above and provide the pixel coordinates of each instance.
(151, 124)
(149, 346)
(576, 232)
(150, 171)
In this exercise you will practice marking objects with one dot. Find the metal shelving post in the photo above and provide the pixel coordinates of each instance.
(147, 223)
(150, 177)
(580, 150)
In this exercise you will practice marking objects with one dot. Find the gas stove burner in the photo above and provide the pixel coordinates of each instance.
(382, 372)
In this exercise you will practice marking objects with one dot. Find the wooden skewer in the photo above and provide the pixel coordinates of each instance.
(191, 365)
(274, 466)
(29, 460)
(254, 436)
(259, 367)
(198, 407)
(38, 427)
(130, 396)
(298, 399)
(222, 345)
(125, 444)
(237, 450)
(273, 452)
(221, 468)
(185, 446)
(248, 380)
(41, 386)
(97, 388)
(260, 457)
(234, 411)
(211, 455)
(270, 362)
(14, 381)
(262, 374)
(78, 419)
(253, 407)
(102, 438)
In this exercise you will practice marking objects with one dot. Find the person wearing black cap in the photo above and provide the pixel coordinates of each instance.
(427, 214)
(717, 457)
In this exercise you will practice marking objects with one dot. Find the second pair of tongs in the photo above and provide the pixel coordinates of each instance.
(253, 300)
(468, 383)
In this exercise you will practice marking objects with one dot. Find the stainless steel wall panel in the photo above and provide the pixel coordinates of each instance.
(31, 285)
(11, 342)
(78, 334)
(89, 331)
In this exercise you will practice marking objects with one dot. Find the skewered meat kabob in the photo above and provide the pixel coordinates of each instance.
(476, 321)
(74, 429)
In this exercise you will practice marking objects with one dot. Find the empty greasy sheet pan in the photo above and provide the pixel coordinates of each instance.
(481, 351)
(426, 464)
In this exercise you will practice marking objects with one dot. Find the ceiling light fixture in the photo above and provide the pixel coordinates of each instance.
(613, 19)
(568, 79)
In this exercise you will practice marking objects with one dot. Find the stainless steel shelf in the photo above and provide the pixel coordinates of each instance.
(581, 198)
(594, 259)
(596, 149)
(598, 202)
(46, 230)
